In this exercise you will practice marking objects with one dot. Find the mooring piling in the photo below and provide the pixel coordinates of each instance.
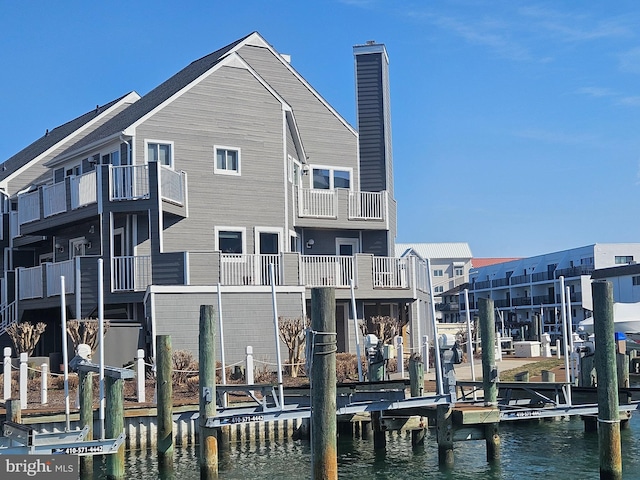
(165, 403)
(324, 448)
(605, 362)
(86, 418)
(114, 425)
(207, 389)
(489, 373)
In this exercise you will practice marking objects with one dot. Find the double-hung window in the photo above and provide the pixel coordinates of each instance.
(328, 178)
(227, 161)
(161, 152)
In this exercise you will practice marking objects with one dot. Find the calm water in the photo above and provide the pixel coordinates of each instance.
(557, 450)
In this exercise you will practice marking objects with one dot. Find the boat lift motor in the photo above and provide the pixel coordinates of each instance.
(375, 357)
(450, 355)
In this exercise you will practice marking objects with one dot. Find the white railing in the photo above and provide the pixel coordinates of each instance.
(128, 182)
(390, 272)
(367, 205)
(130, 273)
(14, 224)
(239, 269)
(28, 207)
(30, 282)
(172, 185)
(53, 273)
(422, 277)
(54, 198)
(317, 203)
(8, 315)
(327, 270)
(84, 189)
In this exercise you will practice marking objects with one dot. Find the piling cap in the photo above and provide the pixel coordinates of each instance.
(620, 336)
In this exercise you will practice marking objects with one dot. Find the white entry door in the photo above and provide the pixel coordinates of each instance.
(346, 247)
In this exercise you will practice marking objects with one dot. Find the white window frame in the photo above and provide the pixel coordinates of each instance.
(296, 238)
(222, 171)
(438, 272)
(332, 169)
(293, 178)
(160, 142)
(354, 242)
(258, 230)
(243, 230)
(80, 241)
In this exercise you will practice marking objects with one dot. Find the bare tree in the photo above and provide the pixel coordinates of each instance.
(25, 335)
(382, 326)
(85, 331)
(292, 333)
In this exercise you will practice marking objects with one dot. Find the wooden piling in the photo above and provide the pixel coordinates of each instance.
(207, 389)
(622, 369)
(14, 411)
(416, 381)
(324, 460)
(548, 376)
(165, 404)
(444, 435)
(605, 360)
(522, 376)
(86, 419)
(489, 374)
(114, 425)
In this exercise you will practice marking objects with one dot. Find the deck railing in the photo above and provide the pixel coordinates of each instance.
(390, 272)
(128, 182)
(367, 205)
(54, 199)
(8, 315)
(172, 185)
(248, 269)
(327, 270)
(84, 189)
(317, 203)
(28, 207)
(130, 273)
(56, 270)
(30, 282)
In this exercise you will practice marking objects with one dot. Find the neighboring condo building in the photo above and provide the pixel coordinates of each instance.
(530, 287)
(450, 265)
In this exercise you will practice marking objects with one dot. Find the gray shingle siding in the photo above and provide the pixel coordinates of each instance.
(233, 110)
(326, 139)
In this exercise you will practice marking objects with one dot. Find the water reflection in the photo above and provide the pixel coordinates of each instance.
(556, 449)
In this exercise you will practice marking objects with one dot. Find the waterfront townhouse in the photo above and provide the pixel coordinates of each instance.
(232, 177)
(527, 290)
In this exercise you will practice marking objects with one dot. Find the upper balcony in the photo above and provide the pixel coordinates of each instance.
(342, 208)
(79, 197)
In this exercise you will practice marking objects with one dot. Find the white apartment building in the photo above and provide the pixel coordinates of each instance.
(528, 290)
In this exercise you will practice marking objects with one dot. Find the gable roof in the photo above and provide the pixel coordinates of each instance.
(51, 138)
(154, 98)
(435, 250)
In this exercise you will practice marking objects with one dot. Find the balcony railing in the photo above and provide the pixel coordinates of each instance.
(83, 189)
(128, 182)
(390, 272)
(317, 203)
(54, 199)
(518, 279)
(172, 185)
(30, 282)
(482, 285)
(239, 269)
(54, 271)
(28, 207)
(367, 205)
(130, 273)
(327, 270)
(8, 315)
(574, 271)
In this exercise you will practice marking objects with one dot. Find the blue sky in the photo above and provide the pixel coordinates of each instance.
(516, 125)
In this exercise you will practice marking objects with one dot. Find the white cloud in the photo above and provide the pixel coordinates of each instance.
(596, 92)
